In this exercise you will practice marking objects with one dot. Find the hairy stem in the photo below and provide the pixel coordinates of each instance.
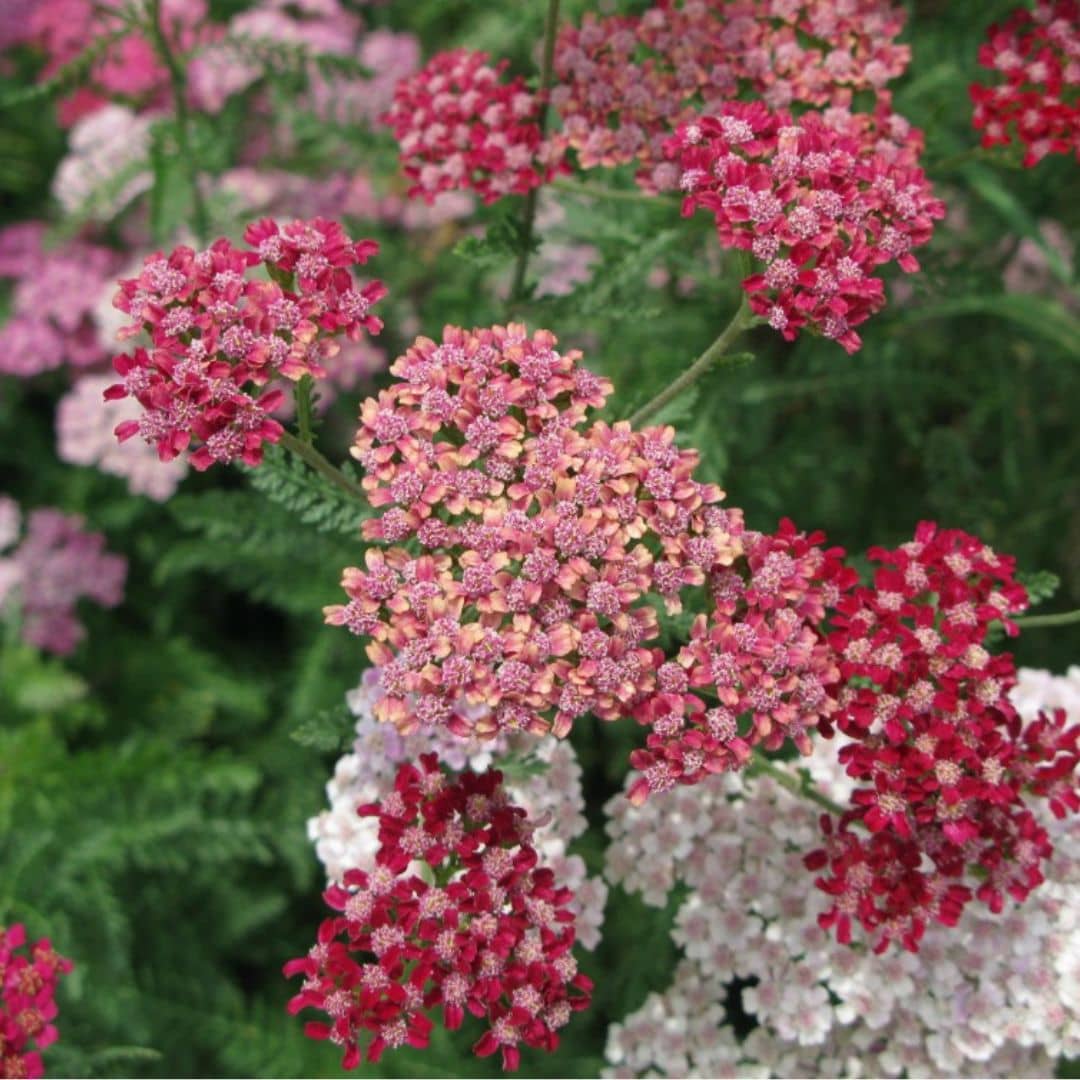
(307, 453)
(518, 287)
(178, 82)
(304, 412)
(1061, 618)
(799, 785)
(714, 354)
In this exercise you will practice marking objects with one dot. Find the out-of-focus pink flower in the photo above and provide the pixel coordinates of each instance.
(57, 564)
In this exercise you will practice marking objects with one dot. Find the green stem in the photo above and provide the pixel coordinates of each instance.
(712, 355)
(178, 82)
(600, 191)
(1061, 618)
(517, 289)
(304, 413)
(307, 453)
(799, 785)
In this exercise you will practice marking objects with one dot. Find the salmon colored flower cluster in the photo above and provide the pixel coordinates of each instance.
(219, 335)
(1036, 100)
(943, 762)
(818, 207)
(461, 125)
(625, 83)
(28, 982)
(538, 538)
(757, 672)
(457, 917)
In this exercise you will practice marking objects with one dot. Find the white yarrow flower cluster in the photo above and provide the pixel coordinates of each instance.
(552, 797)
(994, 996)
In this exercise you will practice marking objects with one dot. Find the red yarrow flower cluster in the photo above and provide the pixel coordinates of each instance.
(540, 538)
(944, 762)
(28, 981)
(462, 125)
(756, 673)
(819, 207)
(458, 915)
(1036, 54)
(219, 335)
(625, 83)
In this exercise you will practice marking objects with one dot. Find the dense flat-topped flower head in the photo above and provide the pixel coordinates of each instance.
(815, 202)
(458, 916)
(625, 83)
(757, 671)
(946, 768)
(1036, 99)
(538, 537)
(462, 124)
(28, 980)
(220, 335)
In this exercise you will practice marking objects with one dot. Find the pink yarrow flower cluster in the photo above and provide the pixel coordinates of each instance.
(461, 124)
(944, 764)
(819, 207)
(625, 83)
(28, 980)
(458, 915)
(757, 672)
(219, 335)
(52, 302)
(128, 69)
(55, 565)
(1036, 100)
(538, 538)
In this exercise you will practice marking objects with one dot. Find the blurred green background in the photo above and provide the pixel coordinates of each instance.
(152, 800)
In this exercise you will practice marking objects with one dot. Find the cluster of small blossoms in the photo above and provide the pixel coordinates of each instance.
(486, 929)
(107, 164)
(84, 436)
(550, 792)
(217, 331)
(821, 208)
(1036, 53)
(461, 124)
(52, 301)
(995, 996)
(128, 68)
(54, 565)
(625, 83)
(759, 655)
(942, 760)
(538, 541)
(28, 983)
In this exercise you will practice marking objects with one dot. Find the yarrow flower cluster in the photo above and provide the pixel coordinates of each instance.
(52, 301)
(54, 566)
(539, 540)
(128, 68)
(461, 124)
(482, 928)
(995, 996)
(945, 767)
(1036, 101)
(549, 790)
(626, 82)
(219, 334)
(28, 980)
(760, 657)
(820, 207)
